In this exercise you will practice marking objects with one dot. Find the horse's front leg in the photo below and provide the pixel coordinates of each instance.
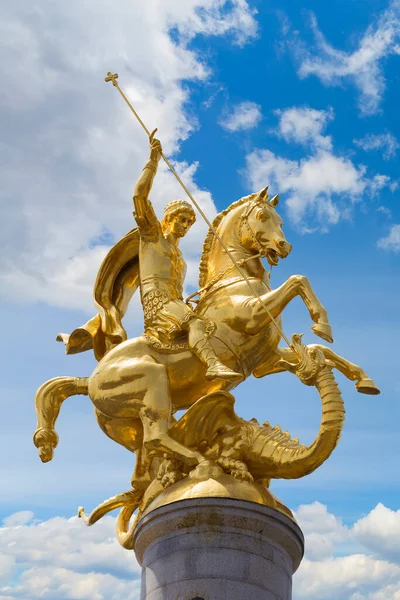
(364, 384)
(277, 300)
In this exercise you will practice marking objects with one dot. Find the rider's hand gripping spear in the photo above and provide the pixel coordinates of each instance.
(113, 78)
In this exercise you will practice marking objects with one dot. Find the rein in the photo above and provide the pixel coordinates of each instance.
(221, 275)
(224, 283)
(244, 220)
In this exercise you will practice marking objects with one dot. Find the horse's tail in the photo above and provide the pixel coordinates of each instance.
(48, 400)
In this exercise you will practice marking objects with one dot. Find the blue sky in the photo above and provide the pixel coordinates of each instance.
(245, 94)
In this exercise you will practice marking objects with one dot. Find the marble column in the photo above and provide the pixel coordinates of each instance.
(217, 549)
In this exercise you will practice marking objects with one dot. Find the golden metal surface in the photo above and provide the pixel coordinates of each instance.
(192, 358)
(274, 201)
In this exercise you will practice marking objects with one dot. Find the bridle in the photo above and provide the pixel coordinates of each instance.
(244, 220)
(220, 276)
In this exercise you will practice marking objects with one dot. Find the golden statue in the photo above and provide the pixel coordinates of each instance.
(193, 358)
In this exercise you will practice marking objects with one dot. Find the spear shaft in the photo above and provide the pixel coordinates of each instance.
(113, 78)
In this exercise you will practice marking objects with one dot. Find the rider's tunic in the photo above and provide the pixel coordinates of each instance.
(162, 272)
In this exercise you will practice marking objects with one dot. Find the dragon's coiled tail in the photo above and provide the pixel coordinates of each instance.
(124, 531)
(302, 460)
(129, 501)
(48, 400)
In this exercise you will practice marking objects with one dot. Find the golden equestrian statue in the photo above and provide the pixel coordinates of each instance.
(193, 358)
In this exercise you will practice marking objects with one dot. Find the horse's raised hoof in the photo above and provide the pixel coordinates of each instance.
(324, 331)
(367, 386)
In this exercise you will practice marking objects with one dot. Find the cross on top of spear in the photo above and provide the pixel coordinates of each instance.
(112, 77)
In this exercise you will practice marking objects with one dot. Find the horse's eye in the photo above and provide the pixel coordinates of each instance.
(262, 215)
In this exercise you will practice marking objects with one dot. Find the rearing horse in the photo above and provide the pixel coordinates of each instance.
(140, 383)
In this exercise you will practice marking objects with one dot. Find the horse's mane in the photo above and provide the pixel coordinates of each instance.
(203, 269)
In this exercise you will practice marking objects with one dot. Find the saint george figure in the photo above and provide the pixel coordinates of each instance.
(162, 272)
(148, 258)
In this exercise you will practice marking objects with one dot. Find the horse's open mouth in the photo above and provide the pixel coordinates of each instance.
(272, 257)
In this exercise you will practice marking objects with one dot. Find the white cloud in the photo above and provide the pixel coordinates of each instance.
(377, 183)
(7, 568)
(320, 188)
(71, 149)
(68, 543)
(361, 66)
(389, 592)
(305, 125)
(208, 17)
(19, 518)
(321, 528)
(392, 240)
(61, 558)
(245, 115)
(336, 565)
(54, 584)
(385, 142)
(385, 211)
(69, 287)
(379, 531)
(309, 183)
(340, 577)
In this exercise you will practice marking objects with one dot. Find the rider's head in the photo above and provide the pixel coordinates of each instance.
(178, 218)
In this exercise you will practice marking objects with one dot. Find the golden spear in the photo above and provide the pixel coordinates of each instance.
(113, 78)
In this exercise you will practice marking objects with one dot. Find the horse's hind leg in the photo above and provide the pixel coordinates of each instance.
(129, 433)
(155, 414)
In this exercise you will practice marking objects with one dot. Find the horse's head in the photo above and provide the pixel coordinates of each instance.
(261, 228)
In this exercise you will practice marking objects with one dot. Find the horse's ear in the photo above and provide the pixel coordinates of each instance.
(274, 201)
(263, 194)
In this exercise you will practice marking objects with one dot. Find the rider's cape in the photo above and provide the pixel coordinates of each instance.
(116, 282)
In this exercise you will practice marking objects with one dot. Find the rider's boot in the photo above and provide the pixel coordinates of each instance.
(215, 368)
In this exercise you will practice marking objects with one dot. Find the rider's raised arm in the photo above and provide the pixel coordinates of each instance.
(144, 214)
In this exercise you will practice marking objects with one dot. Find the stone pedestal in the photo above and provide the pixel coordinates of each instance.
(217, 549)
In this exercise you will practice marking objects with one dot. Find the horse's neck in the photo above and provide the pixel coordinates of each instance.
(219, 264)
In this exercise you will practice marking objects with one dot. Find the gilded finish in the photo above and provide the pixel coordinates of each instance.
(192, 354)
